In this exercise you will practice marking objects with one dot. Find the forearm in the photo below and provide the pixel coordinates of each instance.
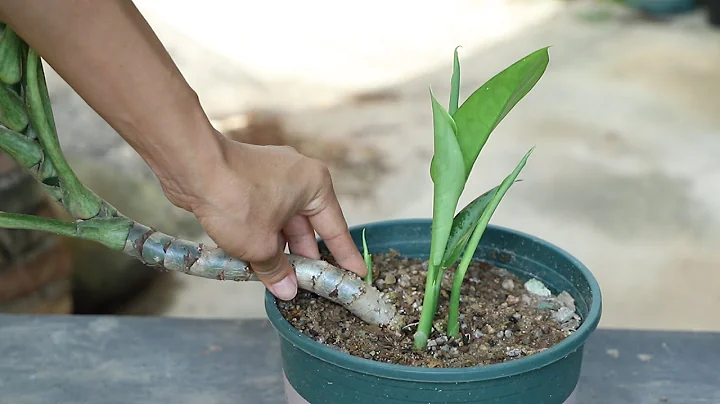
(109, 54)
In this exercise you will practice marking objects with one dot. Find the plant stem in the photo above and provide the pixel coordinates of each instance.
(434, 285)
(438, 287)
(429, 309)
(78, 200)
(453, 328)
(159, 250)
(447, 173)
(348, 290)
(111, 232)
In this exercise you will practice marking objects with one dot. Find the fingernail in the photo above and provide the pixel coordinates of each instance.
(286, 289)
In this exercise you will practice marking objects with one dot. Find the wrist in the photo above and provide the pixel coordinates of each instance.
(187, 182)
(184, 152)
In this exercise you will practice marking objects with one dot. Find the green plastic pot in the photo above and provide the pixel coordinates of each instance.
(318, 374)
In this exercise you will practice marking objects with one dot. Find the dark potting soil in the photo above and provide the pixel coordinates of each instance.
(501, 318)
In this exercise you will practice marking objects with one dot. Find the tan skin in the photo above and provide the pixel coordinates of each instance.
(251, 200)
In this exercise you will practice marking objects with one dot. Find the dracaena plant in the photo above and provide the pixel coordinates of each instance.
(460, 132)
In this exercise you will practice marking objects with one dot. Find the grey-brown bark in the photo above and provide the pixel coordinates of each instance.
(165, 252)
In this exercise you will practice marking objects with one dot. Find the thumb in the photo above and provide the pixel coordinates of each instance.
(277, 275)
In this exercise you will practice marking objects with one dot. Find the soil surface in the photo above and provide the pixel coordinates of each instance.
(501, 318)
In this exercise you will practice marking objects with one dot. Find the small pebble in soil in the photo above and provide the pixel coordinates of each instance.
(566, 300)
(563, 315)
(571, 325)
(499, 319)
(546, 305)
(537, 288)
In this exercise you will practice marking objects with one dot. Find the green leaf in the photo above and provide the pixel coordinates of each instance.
(11, 54)
(455, 84)
(21, 148)
(463, 225)
(447, 172)
(494, 202)
(12, 110)
(79, 201)
(481, 113)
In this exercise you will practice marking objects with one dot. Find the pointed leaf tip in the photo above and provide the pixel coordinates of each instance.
(483, 111)
(455, 84)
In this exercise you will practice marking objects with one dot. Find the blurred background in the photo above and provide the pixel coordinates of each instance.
(625, 175)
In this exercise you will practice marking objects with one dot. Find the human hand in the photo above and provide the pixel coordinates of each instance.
(264, 197)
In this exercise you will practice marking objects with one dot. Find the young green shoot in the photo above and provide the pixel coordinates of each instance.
(368, 260)
(459, 135)
(447, 173)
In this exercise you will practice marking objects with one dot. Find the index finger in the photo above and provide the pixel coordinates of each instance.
(330, 224)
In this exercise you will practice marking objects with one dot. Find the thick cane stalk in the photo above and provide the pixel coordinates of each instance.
(167, 253)
(28, 135)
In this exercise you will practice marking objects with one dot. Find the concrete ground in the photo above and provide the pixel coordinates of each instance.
(624, 175)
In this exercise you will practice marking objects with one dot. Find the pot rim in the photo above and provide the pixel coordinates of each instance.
(448, 375)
